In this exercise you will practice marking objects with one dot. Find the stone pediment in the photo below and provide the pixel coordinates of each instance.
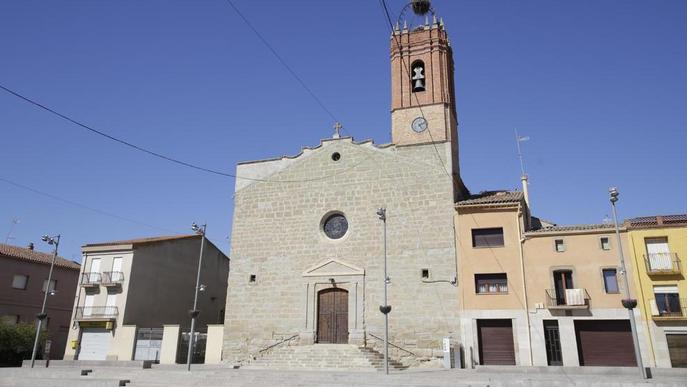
(333, 267)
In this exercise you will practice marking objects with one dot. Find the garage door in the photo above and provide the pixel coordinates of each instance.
(495, 342)
(95, 343)
(605, 343)
(677, 347)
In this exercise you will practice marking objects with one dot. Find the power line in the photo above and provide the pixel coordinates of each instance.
(83, 206)
(282, 61)
(153, 153)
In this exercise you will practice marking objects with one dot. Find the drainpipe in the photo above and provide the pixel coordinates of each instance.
(521, 242)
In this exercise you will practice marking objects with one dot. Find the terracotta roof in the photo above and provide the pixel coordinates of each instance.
(143, 241)
(26, 254)
(576, 227)
(492, 197)
(659, 220)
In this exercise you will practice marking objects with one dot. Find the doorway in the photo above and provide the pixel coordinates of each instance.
(332, 316)
(562, 280)
(554, 355)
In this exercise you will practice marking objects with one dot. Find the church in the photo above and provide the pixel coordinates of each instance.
(308, 246)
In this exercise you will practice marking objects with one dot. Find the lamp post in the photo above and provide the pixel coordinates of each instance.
(628, 302)
(386, 308)
(55, 240)
(195, 312)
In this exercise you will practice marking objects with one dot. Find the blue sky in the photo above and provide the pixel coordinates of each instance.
(599, 87)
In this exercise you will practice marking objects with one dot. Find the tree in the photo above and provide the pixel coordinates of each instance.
(16, 342)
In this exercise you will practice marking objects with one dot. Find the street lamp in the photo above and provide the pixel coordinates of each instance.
(386, 308)
(200, 230)
(628, 302)
(54, 240)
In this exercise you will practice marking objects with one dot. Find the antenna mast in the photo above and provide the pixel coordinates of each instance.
(523, 175)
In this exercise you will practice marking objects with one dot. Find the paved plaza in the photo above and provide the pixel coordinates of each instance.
(224, 376)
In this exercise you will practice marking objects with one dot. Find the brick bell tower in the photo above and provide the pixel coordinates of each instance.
(423, 107)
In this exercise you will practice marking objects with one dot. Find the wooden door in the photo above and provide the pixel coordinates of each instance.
(332, 316)
(605, 343)
(496, 342)
(677, 348)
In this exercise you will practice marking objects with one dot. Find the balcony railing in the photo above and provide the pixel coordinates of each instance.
(662, 263)
(672, 311)
(96, 313)
(90, 279)
(113, 278)
(567, 299)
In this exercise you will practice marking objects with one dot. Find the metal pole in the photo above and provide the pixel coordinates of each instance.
(386, 315)
(385, 309)
(43, 315)
(195, 312)
(629, 303)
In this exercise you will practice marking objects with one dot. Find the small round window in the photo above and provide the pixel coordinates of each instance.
(335, 226)
(336, 156)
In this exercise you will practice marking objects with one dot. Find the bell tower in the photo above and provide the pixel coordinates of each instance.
(423, 103)
(423, 106)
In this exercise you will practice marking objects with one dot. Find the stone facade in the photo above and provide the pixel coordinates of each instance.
(277, 237)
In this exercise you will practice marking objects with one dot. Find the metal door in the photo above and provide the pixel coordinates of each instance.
(148, 344)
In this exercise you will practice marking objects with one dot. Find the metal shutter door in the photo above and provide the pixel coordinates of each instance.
(605, 343)
(677, 347)
(95, 343)
(496, 342)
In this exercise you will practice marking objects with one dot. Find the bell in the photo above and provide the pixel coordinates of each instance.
(419, 84)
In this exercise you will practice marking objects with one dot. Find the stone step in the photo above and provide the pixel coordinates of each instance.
(323, 356)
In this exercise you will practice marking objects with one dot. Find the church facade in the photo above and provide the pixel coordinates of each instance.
(308, 246)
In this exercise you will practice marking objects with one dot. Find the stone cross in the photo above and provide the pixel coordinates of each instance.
(337, 128)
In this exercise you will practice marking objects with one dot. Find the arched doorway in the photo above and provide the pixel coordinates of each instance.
(332, 316)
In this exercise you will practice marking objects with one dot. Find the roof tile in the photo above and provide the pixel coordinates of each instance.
(26, 254)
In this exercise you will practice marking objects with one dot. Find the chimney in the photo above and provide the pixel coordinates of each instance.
(30, 246)
(525, 190)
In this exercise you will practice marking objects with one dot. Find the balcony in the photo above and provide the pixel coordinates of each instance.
(565, 299)
(96, 313)
(113, 278)
(662, 264)
(675, 309)
(91, 280)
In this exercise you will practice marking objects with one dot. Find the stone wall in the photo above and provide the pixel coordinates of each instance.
(277, 237)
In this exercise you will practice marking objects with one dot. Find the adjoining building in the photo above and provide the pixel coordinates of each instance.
(540, 294)
(23, 282)
(130, 289)
(658, 245)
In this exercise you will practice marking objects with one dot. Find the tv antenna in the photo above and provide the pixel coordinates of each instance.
(9, 236)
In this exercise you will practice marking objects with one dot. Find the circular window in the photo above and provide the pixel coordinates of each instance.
(335, 226)
(336, 156)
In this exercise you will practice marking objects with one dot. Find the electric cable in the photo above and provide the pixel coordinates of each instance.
(154, 153)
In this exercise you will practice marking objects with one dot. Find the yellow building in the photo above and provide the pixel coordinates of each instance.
(657, 244)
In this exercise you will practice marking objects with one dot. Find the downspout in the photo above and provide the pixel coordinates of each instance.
(521, 240)
(641, 291)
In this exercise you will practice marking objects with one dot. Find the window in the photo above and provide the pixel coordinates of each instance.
(335, 226)
(667, 300)
(559, 245)
(491, 283)
(20, 281)
(417, 79)
(611, 280)
(605, 243)
(424, 273)
(53, 285)
(252, 278)
(487, 237)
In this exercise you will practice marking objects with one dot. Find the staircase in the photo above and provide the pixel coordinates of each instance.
(323, 357)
